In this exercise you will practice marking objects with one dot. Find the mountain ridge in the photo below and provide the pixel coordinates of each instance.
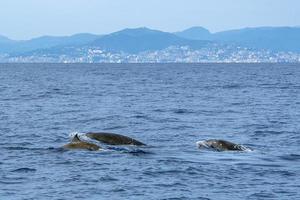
(272, 38)
(142, 39)
(196, 33)
(134, 40)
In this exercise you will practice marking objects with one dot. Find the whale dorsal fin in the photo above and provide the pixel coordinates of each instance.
(76, 138)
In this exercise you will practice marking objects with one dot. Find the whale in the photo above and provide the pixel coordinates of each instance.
(77, 143)
(220, 145)
(113, 138)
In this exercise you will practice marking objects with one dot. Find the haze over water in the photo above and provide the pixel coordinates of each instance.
(167, 106)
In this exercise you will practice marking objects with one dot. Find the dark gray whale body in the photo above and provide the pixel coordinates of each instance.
(221, 145)
(113, 139)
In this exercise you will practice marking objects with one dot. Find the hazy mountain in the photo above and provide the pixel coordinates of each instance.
(272, 38)
(277, 39)
(195, 33)
(46, 42)
(5, 40)
(142, 39)
(50, 41)
(5, 44)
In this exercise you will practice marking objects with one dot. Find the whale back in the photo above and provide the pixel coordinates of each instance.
(113, 139)
(221, 145)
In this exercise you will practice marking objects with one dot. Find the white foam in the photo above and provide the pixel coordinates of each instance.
(202, 144)
(83, 137)
(247, 149)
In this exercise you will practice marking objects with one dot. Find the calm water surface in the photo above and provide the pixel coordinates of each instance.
(170, 107)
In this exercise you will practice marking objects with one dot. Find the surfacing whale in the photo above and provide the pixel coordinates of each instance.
(113, 139)
(221, 145)
(76, 143)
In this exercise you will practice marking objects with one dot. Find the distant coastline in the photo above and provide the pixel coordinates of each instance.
(143, 45)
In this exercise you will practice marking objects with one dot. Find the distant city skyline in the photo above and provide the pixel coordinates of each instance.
(33, 18)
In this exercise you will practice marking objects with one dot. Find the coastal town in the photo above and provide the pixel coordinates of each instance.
(172, 54)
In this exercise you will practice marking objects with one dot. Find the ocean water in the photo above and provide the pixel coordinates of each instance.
(167, 106)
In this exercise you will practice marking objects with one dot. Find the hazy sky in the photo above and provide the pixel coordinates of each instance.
(23, 19)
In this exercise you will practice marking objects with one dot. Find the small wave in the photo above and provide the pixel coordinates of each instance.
(231, 86)
(182, 111)
(267, 132)
(163, 172)
(129, 151)
(141, 116)
(9, 99)
(118, 190)
(138, 152)
(56, 150)
(10, 182)
(66, 112)
(114, 127)
(168, 119)
(108, 178)
(24, 170)
(94, 119)
(17, 148)
(20, 148)
(267, 165)
(159, 110)
(181, 127)
(44, 95)
(170, 184)
(237, 103)
(56, 89)
(231, 111)
(261, 195)
(184, 197)
(290, 157)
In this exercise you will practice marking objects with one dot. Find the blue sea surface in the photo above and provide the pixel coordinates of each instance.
(167, 106)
